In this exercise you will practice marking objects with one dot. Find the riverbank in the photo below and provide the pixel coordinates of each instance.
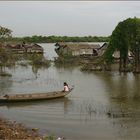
(13, 130)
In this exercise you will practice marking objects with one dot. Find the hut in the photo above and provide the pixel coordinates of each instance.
(33, 48)
(18, 48)
(24, 48)
(76, 49)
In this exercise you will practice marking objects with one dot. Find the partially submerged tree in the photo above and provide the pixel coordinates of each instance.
(4, 33)
(126, 37)
(133, 27)
(5, 57)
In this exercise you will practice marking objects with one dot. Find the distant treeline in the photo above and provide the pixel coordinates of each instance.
(54, 39)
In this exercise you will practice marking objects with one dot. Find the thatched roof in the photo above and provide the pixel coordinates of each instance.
(11, 46)
(33, 46)
(36, 46)
(77, 46)
(104, 46)
(25, 46)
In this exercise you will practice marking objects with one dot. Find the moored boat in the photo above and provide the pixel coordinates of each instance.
(34, 96)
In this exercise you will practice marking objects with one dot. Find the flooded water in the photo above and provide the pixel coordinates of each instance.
(102, 106)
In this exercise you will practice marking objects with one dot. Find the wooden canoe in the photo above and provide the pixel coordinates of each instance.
(34, 96)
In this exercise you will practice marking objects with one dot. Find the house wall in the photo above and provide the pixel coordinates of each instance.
(18, 50)
(33, 50)
(82, 52)
(86, 52)
(75, 53)
(65, 51)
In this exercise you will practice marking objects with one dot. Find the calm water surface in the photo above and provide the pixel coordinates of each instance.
(103, 105)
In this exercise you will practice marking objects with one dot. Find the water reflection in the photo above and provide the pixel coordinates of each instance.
(124, 103)
(103, 105)
(63, 101)
(120, 86)
(5, 85)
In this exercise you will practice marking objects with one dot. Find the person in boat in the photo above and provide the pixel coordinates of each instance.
(66, 87)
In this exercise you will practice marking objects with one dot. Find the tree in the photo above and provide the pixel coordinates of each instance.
(133, 31)
(5, 32)
(5, 57)
(124, 38)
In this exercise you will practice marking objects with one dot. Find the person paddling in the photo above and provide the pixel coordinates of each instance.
(66, 87)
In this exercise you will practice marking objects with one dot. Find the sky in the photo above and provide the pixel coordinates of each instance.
(65, 18)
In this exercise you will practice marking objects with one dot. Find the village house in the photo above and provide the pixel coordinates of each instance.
(15, 48)
(33, 48)
(24, 48)
(79, 49)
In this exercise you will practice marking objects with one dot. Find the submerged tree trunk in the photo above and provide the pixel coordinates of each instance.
(137, 61)
(122, 63)
(125, 62)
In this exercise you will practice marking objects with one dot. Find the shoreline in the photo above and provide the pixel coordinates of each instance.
(13, 130)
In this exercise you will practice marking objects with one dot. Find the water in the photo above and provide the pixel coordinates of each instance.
(103, 105)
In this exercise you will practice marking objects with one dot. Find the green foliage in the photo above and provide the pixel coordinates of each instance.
(117, 41)
(6, 60)
(5, 57)
(49, 138)
(5, 34)
(38, 60)
(68, 61)
(54, 39)
(125, 37)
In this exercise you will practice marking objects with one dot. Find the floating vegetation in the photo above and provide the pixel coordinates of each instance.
(67, 61)
(5, 74)
(115, 114)
(92, 67)
(39, 60)
(49, 138)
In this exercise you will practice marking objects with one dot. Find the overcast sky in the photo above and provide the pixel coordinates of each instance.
(68, 18)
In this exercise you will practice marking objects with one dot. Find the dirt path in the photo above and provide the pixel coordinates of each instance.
(15, 131)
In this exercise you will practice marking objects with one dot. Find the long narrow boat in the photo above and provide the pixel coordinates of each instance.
(34, 96)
